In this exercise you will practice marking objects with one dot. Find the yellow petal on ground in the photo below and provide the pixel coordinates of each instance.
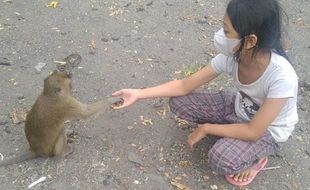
(52, 4)
(92, 45)
(147, 122)
(178, 185)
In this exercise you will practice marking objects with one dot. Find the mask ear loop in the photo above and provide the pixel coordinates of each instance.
(237, 54)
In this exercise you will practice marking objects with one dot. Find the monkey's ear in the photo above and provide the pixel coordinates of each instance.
(57, 90)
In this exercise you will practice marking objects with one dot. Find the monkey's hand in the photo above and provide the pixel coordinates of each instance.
(129, 97)
(115, 101)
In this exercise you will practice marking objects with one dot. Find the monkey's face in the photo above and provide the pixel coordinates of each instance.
(57, 82)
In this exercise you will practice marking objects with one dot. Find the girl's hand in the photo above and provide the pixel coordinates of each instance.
(129, 96)
(198, 134)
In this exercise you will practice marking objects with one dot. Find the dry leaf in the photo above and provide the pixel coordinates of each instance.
(214, 187)
(178, 185)
(162, 112)
(146, 121)
(185, 163)
(189, 17)
(92, 45)
(178, 178)
(52, 4)
(181, 122)
(116, 12)
(18, 116)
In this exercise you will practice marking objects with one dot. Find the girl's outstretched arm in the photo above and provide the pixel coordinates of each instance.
(180, 87)
(169, 89)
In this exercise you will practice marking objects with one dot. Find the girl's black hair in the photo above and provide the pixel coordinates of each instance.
(260, 17)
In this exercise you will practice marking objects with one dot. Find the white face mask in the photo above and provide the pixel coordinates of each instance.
(223, 44)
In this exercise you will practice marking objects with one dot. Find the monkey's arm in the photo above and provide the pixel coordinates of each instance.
(78, 110)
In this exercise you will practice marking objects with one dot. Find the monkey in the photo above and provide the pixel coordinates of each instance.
(44, 124)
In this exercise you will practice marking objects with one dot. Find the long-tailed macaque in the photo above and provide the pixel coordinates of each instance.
(44, 125)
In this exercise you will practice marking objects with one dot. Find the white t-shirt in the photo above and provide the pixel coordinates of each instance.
(279, 80)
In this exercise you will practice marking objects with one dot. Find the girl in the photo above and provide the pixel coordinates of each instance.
(254, 121)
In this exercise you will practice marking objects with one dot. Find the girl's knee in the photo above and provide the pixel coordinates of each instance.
(222, 162)
(173, 103)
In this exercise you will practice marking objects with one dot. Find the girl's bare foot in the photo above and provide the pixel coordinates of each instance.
(247, 174)
(243, 176)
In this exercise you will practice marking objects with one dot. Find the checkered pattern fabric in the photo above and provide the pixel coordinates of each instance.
(228, 155)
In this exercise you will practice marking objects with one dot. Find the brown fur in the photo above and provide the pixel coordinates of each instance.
(44, 126)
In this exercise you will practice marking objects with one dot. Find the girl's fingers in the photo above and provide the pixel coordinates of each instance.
(118, 107)
(190, 146)
(190, 143)
(117, 93)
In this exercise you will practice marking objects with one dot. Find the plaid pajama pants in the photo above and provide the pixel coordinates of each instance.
(228, 155)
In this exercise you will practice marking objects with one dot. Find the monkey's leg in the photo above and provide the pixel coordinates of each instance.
(61, 147)
(71, 135)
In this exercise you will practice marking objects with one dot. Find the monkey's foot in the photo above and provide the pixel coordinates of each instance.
(71, 135)
(68, 150)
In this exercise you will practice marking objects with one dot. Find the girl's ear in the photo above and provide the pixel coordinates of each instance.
(250, 42)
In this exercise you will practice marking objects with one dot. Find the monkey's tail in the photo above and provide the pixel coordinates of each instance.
(18, 158)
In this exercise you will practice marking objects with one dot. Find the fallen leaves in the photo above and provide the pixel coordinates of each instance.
(181, 122)
(212, 21)
(188, 17)
(178, 185)
(146, 122)
(185, 163)
(18, 116)
(92, 44)
(162, 111)
(52, 4)
(137, 182)
(13, 81)
(213, 187)
(115, 10)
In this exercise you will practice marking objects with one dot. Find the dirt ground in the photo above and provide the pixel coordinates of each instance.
(126, 44)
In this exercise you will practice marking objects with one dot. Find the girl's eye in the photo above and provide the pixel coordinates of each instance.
(225, 32)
